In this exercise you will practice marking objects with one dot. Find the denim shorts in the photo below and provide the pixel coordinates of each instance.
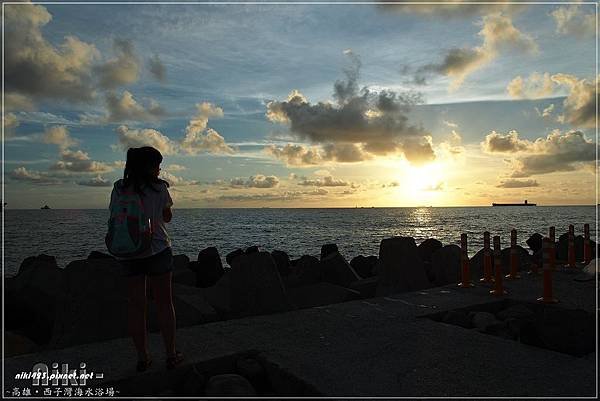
(154, 265)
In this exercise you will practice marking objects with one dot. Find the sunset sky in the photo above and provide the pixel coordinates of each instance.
(303, 105)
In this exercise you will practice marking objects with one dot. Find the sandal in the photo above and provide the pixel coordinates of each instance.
(173, 361)
(143, 365)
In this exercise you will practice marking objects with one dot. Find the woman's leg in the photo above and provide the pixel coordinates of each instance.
(136, 314)
(161, 289)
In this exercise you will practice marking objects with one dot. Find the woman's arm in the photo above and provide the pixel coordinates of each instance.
(167, 214)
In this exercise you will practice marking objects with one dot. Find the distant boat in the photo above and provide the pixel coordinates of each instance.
(45, 207)
(514, 204)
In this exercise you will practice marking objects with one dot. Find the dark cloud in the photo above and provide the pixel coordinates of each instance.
(33, 67)
(498, 33)
(157, 69)
(580, 105)
(362, 124)
(126, 108)
(121, 70)
(505, 143)
(518, 184)
(555, 153)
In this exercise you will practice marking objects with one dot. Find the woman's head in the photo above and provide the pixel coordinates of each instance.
(142, 167)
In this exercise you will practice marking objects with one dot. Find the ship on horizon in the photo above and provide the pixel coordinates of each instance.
(515, 204)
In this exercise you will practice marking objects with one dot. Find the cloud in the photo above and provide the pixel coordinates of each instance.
(270, 197)
(392, 184)
(22, 174)
(518, 184)
(499, 35)
(535, 87)
(135, 138)
(505, 143)
(570, 20)
(175, 180)
(360, 125)
(295, 155)
(77, 161)
(175, 167)
(120, 70)
(453, 145)
(580, 105)
(58, 135)
(555, 153)
(545, 113)
(327, 181)
(97, 181)
(10, 122)
(256, 181)
(126, 108)
(451, 8)
(33, 67)
(17, 102)
(157, 69)
(439, 186)
(198, 138)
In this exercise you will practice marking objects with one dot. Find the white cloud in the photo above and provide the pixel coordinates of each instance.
(97, 181)
(256, 181)
(135, 138)
(78, 161)
(198, 138)
(327, 181)
(59, 135)
(535, 87)
(570, 20)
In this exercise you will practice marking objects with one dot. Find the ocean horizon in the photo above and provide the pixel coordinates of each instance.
(71, 234)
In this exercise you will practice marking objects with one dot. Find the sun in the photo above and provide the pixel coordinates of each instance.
(422, 185)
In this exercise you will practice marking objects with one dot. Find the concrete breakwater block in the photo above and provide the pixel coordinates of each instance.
(335, 270)
(364, 265)
(401, 268)
(32, 297)
(229, 385)
(208, 268)
(445, 265)
(256, 286)
(320, 294)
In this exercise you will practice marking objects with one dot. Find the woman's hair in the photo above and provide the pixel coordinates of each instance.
(138, 168)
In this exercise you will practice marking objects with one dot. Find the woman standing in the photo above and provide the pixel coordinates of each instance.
(155, 265)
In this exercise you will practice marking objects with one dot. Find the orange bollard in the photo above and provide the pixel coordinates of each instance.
(498, 288)
(487, 259)
(514, 257)
(464, 259)
(587, 246)
(571, 250)
(548, 249)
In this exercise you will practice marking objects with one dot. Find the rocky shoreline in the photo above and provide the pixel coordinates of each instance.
(47, 307)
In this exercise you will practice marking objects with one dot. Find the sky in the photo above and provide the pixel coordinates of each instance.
(303, 105)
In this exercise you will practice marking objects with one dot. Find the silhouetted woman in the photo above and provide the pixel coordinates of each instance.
(141, 174)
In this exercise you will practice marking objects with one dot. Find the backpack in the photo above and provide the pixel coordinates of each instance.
(129, 229)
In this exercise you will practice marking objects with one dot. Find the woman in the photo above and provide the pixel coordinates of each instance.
(156, 264)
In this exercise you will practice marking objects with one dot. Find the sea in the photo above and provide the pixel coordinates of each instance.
(71, 234)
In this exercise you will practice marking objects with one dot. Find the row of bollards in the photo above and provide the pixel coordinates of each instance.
(548, 261)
